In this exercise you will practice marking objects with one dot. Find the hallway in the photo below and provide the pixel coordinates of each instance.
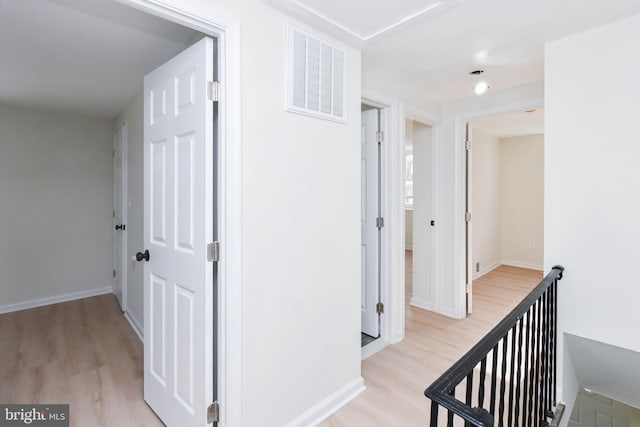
(397, 376)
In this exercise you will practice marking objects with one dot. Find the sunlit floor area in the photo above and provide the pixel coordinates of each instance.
(397, 376)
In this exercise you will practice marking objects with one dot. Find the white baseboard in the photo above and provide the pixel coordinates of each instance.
(486, 270)
(135, 324)
(372, 348)
(330, 405)
(421, 303)
(520, 264)
(8, 308)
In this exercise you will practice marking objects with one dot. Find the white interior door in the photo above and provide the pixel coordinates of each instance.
(178, 225)
(370, 211)
(120, 215)
(468, 234)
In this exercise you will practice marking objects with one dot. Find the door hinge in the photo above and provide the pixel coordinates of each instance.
(213, 413)
(467, 288)
(380, 136)
(467, 145)
(379, 308)
(379, 222)
(213, 91)
(213, 252)
(467, 216)
(114, 274)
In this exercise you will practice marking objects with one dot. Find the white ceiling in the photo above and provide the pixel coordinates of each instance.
(82, 56)
(431, 57)
(517, 123)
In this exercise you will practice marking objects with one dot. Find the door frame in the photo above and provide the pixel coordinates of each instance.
(229, 292)
(386, 319)
(414, 114)
(121, 131)
(392, 293)
(459, 225)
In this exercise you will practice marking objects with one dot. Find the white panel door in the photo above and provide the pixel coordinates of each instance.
(120, 215)
(178, 225)
(468, 231)
(370, 233)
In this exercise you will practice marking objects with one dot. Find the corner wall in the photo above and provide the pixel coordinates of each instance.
(56, 182)
(591, 182)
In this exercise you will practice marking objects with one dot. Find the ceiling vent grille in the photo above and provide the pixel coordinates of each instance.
(317, 77)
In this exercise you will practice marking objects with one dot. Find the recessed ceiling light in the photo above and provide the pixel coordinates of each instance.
(481, 87)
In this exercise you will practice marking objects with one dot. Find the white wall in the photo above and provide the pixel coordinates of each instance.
(486, 233)
(591, 175)
(135, 211)
(522, 201)
(56, 183)
(408, 229)
(508, 210)
(300, 225)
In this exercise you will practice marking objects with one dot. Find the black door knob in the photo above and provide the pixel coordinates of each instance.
(142, 256)
(121, 227)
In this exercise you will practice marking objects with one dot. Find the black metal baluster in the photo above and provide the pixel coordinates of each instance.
(547, 351)
(526, 370)
(494, 377)
(554, 289)
(483, 374)
(434, 414)
(542, 409)
(469, 393)
(519, 373)
(449, 411)
(511, 372)
(531, 372)
(537, 385)
(503, 379)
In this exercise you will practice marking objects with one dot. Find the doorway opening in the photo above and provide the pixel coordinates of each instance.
(81, 111)
(504, 194)
(419, 214)
(371, 223)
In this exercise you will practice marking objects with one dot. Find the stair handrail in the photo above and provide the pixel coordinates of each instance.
(440, 390)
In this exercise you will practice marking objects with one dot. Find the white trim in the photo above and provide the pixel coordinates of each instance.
(413, 113)
(521, 264)
(227, 31)
(330, 405)
(372, 348)
(486, 270)
(122, 131)
(392, 321)
(135, 325)
(25, 305)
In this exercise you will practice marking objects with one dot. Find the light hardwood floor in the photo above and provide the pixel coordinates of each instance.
(397, 376)
(83, 353)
